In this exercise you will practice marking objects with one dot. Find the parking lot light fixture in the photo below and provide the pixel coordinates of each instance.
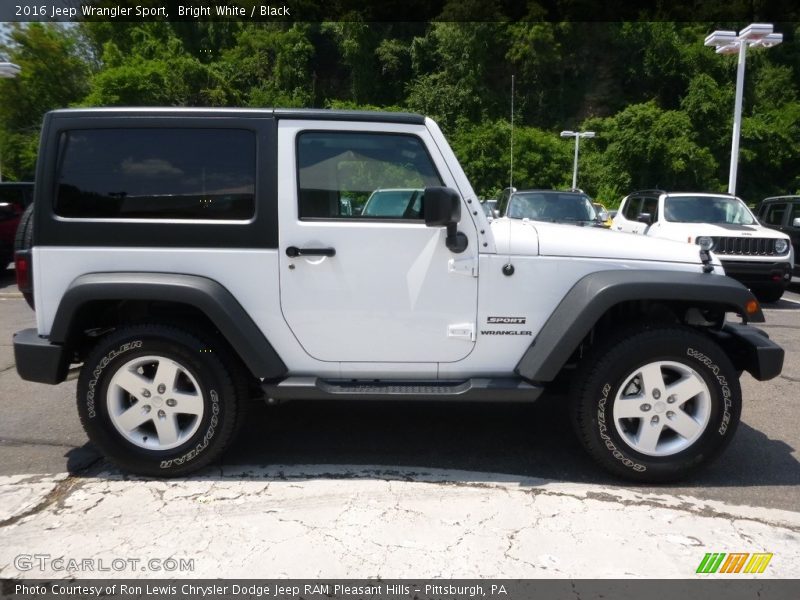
(756, 35)
(577, 135)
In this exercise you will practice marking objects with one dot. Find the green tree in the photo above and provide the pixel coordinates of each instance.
(269, 66)
(541, 158)
(150, 66)
(644, 146)
(54, 75)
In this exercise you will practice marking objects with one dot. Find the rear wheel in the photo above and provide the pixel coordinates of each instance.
(159, 401)
(655, 405)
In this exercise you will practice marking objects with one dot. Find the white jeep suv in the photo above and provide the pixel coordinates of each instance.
(187, 261)
(758, 257)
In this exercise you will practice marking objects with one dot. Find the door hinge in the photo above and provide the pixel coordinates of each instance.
(464, 266)
(462, 330)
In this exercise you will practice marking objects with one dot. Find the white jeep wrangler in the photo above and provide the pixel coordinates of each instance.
(190, 260)
(757, 256)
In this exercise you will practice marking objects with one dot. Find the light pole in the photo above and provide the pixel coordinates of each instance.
(577, 135)
(8, 70)
(757, 35)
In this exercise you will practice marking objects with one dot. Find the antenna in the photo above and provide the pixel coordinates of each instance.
(508, 268)
(511, 167)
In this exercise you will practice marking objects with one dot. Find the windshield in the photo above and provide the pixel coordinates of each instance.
(551, 206)
(707, 209)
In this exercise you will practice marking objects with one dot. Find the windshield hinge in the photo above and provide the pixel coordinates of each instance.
(464, 266)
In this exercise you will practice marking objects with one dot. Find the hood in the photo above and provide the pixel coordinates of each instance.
(524, 237)
(680, 231)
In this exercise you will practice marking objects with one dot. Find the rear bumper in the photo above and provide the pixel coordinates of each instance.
(755, 273)
(38, 359)
(751, 350)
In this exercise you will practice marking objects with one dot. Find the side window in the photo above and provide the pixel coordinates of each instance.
(632, 211)
(157, 174)
(356, 175)
(650, 206)
(795, 214)
(775, 214)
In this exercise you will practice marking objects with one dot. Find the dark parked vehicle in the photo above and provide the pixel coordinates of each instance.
(783, 213)
(14, 199)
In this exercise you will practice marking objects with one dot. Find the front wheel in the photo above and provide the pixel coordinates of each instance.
(159, 401)
(655, 405)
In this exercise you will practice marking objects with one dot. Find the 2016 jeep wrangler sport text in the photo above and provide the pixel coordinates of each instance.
(194, 259)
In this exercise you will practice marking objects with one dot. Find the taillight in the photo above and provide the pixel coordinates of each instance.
(22, 266)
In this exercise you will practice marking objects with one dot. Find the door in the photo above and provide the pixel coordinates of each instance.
(793, 230)
(382, 287)
(637, 207)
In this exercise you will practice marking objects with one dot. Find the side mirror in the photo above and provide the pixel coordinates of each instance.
(645, 218)
(495, 213)
(796, 223)
(602, 216)
(441, 207)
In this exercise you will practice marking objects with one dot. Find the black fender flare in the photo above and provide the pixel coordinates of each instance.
(593, 295)
(204, 294)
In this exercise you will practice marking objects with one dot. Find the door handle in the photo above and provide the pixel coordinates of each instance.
(294, 251)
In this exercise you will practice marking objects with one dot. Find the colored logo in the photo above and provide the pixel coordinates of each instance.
(735, 562)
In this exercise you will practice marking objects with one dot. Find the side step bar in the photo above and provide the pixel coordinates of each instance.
(478, 389)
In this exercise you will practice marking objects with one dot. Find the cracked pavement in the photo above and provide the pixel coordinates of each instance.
(396, 490)
(356, 521)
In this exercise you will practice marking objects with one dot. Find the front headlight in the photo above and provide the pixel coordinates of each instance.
(705, 242)
(781, 246)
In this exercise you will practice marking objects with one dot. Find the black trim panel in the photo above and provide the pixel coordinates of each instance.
(756, 272)
(210, 297)
(260, 232)
(38, 359)
(596, 293)
(474, 390)
(751, 350)
(317, 114)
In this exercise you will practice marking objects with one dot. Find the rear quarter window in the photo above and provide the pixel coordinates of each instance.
(163, 173)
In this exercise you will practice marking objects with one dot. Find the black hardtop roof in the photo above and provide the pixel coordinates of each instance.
(782, 198)
(674, 192)
(316, 114)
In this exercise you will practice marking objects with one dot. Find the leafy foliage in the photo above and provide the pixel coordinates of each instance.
(660, 101)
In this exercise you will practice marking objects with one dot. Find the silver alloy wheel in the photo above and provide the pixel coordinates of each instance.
(155, 402)
(662, 408)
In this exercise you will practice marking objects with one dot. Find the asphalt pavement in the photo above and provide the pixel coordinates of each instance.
(383, 452)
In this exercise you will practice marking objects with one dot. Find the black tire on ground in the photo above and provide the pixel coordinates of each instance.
(613, 372)
(23, 240)
(218, 385)
(771, 293)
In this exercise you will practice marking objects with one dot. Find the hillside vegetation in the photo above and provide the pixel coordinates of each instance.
(660, 102)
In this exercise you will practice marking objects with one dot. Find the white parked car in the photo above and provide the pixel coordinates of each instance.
(759, 257)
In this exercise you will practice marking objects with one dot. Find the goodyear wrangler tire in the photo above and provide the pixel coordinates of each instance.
(655, 405)
(158, 401)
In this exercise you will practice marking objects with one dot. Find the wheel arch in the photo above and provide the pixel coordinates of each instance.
(91, 294)
(599, 298)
